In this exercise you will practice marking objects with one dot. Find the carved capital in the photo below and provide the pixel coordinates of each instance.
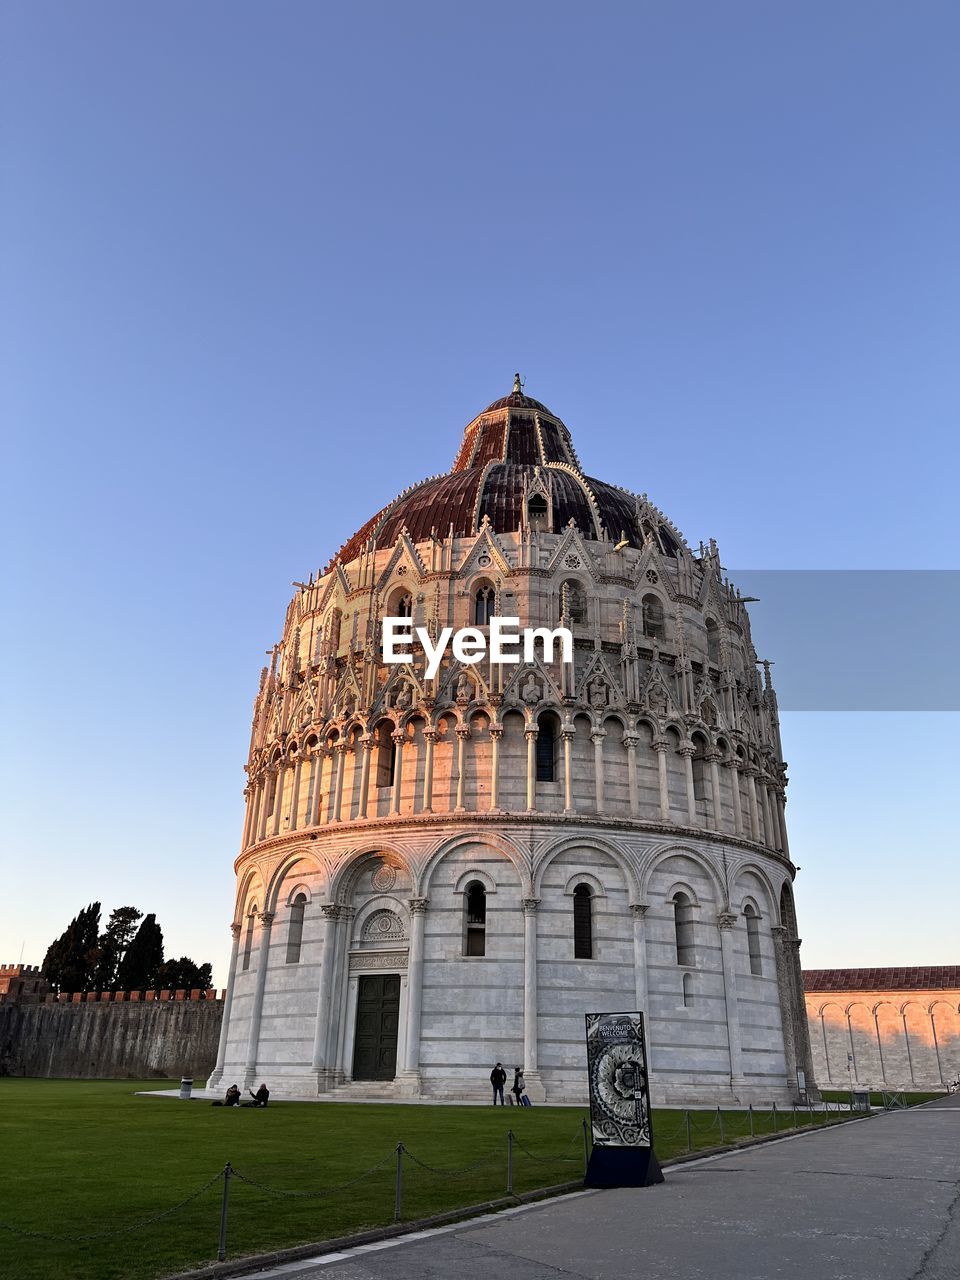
(418, 905)
(661, 745)
(266, 918)
(430, 735)
(531, 733)
(236, 930)
(332, 910)
(398, 738)
(496, 731)
(630, 741)
(726, 920)
(687, 750)
(639, 909)
(597, 737)
(463, 731)
(567, 735)
(530, 906)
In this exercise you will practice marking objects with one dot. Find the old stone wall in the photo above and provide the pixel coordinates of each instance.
(107, 1040)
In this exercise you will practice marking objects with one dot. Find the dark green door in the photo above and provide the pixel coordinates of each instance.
(378, 1020)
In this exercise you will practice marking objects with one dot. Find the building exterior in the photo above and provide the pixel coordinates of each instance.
(21, 981)
(894, 1029)
(437, 874)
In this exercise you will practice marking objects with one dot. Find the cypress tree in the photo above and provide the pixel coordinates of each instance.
(71, 960)
(140, 966)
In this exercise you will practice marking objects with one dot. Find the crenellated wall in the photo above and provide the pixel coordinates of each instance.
(85, 1036)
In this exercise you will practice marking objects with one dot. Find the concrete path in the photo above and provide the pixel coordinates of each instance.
(872, 1200)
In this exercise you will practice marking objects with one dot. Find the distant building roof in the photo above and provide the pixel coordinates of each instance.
(923, 977)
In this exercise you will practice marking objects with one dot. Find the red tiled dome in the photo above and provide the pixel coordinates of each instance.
(502, 449)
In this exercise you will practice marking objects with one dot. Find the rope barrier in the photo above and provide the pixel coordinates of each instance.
(313, 1195)
(118, 1231)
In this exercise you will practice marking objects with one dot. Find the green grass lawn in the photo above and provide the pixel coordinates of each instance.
(876, 1098)
(80, 1157)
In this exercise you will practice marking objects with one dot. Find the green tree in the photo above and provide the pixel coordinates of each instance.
(143, 958)
(71, 960)
(184, 975)
(112, 944)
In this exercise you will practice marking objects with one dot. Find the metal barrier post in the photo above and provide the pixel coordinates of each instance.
(774, 1117)
(794, 1115)
(686, 1117)
(509, 1162)
(586, 1149)
(398, 1198)
(222, 1246)
(752, 1130)
(720, 1119)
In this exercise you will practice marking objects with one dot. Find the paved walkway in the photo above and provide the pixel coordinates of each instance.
(874, 1200)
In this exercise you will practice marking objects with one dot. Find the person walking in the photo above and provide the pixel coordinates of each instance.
(519, 1084)
(498, 1078)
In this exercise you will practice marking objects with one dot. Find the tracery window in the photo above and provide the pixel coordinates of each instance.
(295, 932)
(475, 919)
(537, 513)
(484, 603)
(652, 611)
(582, 923)
(573, 602)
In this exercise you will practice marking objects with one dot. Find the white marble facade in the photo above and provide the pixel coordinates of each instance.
(397, 825)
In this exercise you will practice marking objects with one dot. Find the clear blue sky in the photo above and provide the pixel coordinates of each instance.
(260, 263)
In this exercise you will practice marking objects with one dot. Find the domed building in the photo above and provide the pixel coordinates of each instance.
(440, 873)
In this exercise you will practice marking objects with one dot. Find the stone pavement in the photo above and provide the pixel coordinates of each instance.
(871, 1200)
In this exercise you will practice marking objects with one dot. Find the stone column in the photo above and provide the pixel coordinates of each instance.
(531, 1068)
(566, 737)
(782, 822)
(366, 742)
(411, 1065)
(278, 797)
(295, 798)
(217, 1073)
(269, 781)
(801, 1031)
(715, 800)
(769, 835)
(786, 1006)
(936, 1044)
(662, 746)
(638, 911)
(341, 749)
(496, 733)
(531, 737)
(398, 740)
(906, 1041)
(249, 795)
(687, 753)
(463, 733)
(430, 737)
(734, 767)
(597, 740)
(263, 957)
(750, 774)
(725, 923)
(331, 913)
(258, 788)
(630, 742)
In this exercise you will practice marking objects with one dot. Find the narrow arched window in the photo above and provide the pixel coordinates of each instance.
(713, 641)
(386, 757)
(537, 513)
(295, 932)
(753, 939)
(573, 602)
(546, 750)
(687, 987)
(652, 617)
(483, 606)
(683, 929)
(248, 937)
(582, 923)
(475, 920)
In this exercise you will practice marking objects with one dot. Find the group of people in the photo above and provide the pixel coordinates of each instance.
(232, 1097)
(498, 1078)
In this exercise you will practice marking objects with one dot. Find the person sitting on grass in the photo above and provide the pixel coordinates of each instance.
(260, 1098)
(231, 1098)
